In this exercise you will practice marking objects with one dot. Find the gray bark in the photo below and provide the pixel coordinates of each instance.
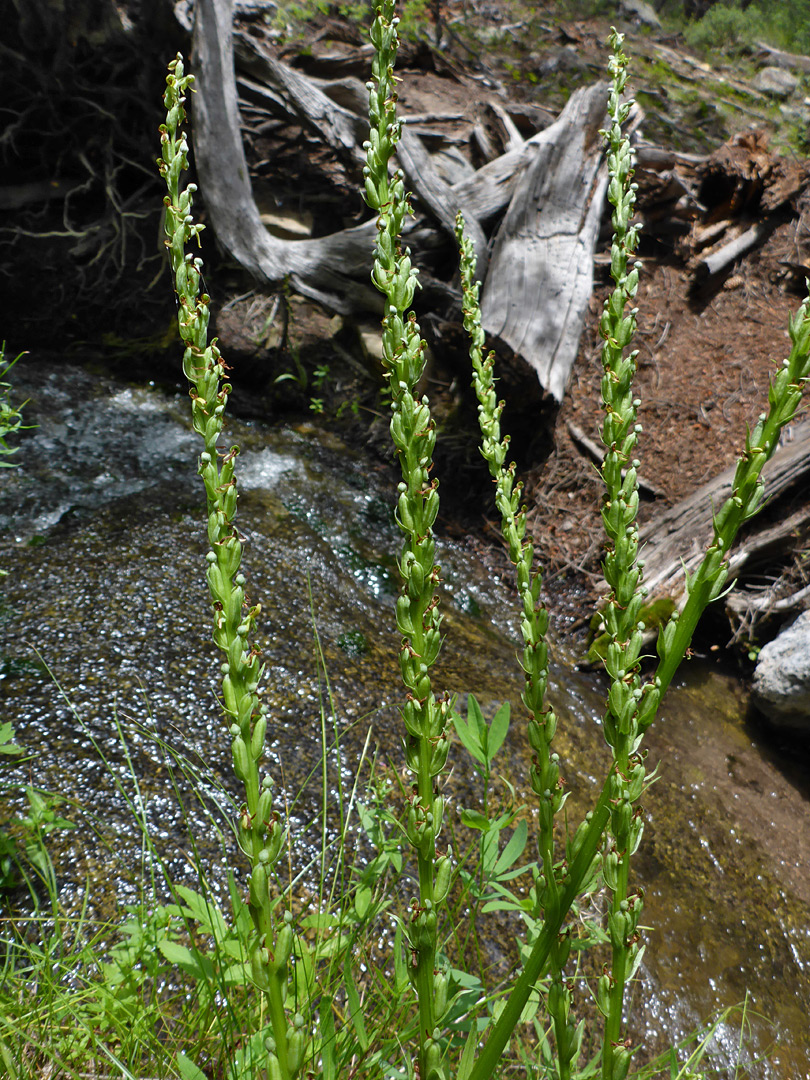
(541, 271)
(325, 269)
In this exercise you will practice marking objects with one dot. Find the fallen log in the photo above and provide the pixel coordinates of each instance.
(789, 61)
(331, 269)
(721, 260)
(674, 540)
(541, 269)
(553, 183)
(596, 453)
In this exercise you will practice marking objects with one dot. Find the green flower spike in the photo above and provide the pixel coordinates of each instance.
(545, 771)
(623, 575)
(260, 832)
(418, 618)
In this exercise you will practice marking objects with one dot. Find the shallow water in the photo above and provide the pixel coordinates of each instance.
(104, 543)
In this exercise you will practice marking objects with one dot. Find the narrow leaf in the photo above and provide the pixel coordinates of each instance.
(355, 1008)
(473, 819)
(514, 849)
(328, 1056)
(469, 738)
(475, 718)
(497, 730)
(468, 1055)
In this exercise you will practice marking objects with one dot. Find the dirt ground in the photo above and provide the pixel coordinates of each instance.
(703, 375)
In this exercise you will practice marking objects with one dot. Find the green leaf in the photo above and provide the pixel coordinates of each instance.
(328, 1056)
(474, 819)
(469, 738)
(400, 970)
(355, 1007)
(187, 1069)
(205, 911)
(497, 730)
(468, 1055)
(476, 717)
(238, 974)
(322, 920)
(6, 745)
(193, 963)
(513, 850)
(503, 905)
(362, 901)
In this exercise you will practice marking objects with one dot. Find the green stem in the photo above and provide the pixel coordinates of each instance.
(259, 830)
(545, 774)
(490, 1054)
(418, 620)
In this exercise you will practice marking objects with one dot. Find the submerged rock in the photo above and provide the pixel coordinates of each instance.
(781, 689)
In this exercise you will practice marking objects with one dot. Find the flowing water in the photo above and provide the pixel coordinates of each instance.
(103, 541)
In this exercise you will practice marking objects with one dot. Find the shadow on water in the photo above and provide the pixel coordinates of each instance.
(104, 544)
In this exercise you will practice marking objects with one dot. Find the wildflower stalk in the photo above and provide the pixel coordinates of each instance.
(623, 575)
(418, 620)
(545, 770)
(632, 704)
(706, 584)
(259, 830)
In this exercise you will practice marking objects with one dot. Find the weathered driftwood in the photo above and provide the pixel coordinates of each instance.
(510, 136)
(744, 603)
(437, 196)
(789, 61)
(553, 185)
(305, 102)
(722, 259)
(331, 269)
(676, 538)
(339, 116)
(541, 269)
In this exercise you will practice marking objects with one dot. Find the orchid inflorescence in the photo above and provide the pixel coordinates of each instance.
(567, 867)
(260, 832)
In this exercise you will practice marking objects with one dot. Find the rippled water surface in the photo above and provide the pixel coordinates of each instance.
(104, 544)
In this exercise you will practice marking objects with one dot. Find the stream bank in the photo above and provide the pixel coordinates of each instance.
(103, 542)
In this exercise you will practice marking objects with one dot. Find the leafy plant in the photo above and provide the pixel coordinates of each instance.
(10, 415)
(567, 866)
(370, 962)
(725, 27)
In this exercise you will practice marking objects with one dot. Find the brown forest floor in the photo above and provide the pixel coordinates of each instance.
(703, 375)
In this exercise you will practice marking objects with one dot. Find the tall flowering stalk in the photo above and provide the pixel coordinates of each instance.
(632, 705)
(418, 619)
(259, 829)
(542, 724)
(628, 700)
(615, 823)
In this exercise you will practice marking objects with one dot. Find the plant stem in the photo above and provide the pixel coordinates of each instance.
(542, 724)
(259, 830)
(418, 619)
(623, 575)
(704, 586)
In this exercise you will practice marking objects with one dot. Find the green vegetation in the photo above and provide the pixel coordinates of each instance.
(730, 25)
(417, 16)
(10, 415)
(372, 962)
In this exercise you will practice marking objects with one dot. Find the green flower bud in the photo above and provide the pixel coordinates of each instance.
(441, 884)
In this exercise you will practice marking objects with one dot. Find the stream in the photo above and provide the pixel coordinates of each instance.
(103, 539)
